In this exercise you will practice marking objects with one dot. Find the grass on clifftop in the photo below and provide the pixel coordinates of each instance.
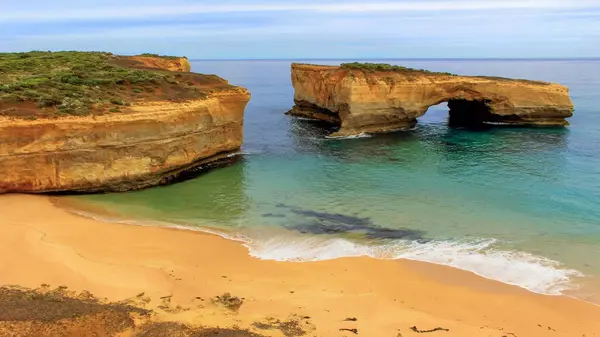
(373, 67)
(161, 56)
(80, 83)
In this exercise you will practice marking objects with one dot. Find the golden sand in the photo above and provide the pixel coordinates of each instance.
(41, 243)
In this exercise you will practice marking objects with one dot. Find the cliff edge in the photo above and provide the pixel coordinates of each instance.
(171, 63)
(96, 122)
(371, 98)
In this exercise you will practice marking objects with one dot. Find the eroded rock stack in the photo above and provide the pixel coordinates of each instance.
(363, 98)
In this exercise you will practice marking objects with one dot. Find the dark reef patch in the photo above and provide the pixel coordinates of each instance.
(336, 223)
(401, 233)
(273, 215)
(348, 220)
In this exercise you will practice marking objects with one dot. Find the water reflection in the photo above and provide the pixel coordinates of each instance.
(310, 137)
(453, 143)
(219, 195)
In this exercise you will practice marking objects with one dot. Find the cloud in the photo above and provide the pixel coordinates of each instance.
(112, 11)
(307, 28)
(472, 25)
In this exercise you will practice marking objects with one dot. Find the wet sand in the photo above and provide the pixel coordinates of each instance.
(180, 271)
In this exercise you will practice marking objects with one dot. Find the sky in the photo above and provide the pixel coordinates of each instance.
(295, 29)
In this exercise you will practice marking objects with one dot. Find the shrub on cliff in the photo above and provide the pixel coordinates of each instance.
(161, 56)
(84, 82)
(372, 67)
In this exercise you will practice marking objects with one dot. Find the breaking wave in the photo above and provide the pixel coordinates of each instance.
(535, 273)
(361, 135)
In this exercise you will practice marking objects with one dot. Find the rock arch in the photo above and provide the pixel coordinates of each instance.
(372, 101)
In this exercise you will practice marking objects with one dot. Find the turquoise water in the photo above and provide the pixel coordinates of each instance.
(513, 204)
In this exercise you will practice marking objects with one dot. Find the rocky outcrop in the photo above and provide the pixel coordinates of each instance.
(148, 143)
(370, 100)
(167, 63)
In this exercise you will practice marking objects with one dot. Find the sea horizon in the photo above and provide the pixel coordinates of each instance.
(406, 59)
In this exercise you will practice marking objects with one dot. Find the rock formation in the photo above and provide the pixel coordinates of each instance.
(149, 141)
(371, 98)
(168, 63)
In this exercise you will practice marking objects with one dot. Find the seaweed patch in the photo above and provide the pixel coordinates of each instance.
(336, 223)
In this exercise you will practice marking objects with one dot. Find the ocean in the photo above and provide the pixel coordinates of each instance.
(517, 205)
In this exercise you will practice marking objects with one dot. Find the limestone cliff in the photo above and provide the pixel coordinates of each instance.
(167, 63)
(149, 141)
(373, 100)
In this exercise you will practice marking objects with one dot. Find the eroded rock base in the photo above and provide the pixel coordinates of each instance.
(188, 172)
(311, 111)
(472, 114)
(383, 123)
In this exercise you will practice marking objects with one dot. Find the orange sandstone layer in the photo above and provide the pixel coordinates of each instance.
(148, 143)
(168, 63)
(386, 298)
(360, 101)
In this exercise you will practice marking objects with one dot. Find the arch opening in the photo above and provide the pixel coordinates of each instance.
(461, 113)
(468, 113)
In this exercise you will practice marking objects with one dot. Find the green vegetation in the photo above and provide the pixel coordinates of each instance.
(161, 56)
(80, 83)
(373, 67)
(496, 78)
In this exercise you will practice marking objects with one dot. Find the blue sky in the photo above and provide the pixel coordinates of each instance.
(307, 28)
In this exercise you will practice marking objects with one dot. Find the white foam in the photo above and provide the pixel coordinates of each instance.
(496, 123)
(535, 273)
(286, 249)
(361, 135)
(307, 119)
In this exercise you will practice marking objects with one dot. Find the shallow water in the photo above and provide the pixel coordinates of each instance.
(513, 204)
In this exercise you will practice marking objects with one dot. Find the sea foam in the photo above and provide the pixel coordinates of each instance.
(535, 273)
(360, 135)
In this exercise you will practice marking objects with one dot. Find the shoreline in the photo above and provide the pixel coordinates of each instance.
(42, 243)
(105, 215)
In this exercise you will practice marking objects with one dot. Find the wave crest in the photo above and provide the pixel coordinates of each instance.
(535, 273)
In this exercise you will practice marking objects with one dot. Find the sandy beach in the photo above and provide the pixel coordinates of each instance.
(43, 244)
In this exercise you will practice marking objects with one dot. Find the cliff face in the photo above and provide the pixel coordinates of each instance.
(148, 146)
(167, 63)
(378, 101)
(148, 143)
